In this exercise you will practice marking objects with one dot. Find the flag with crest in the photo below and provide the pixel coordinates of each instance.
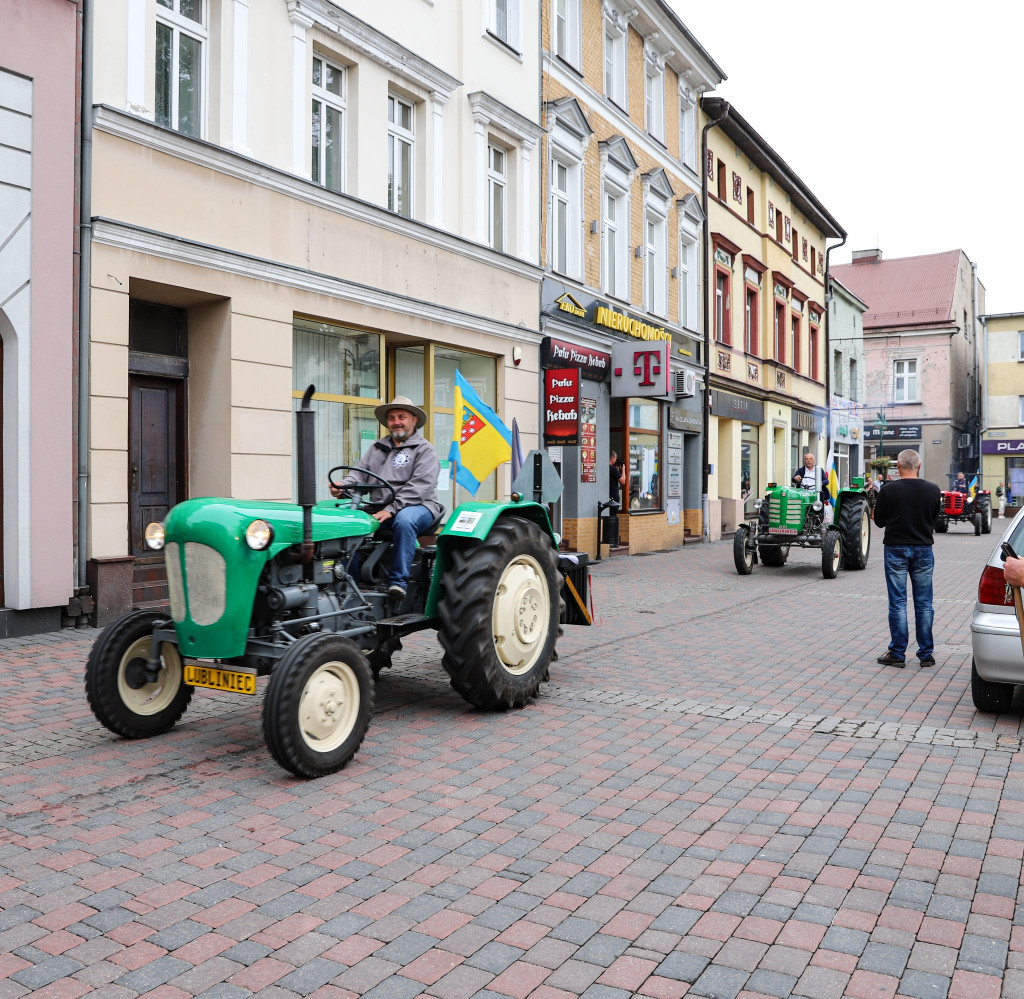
(481, 442)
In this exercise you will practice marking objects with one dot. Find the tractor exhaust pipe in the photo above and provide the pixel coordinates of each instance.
(305, 446)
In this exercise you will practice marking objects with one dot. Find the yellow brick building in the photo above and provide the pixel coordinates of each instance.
(766, 273)
(621, 245)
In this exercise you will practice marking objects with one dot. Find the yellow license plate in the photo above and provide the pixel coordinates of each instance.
(238, 681)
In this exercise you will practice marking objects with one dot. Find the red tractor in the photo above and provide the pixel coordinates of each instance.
(961, 507)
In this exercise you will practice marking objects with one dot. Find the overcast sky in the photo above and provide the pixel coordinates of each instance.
(905, 119)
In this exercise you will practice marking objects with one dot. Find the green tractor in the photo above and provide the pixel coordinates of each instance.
(790, 515)
(263, 589)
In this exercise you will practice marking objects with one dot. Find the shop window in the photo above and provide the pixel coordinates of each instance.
(436, 396)
(750, 338)
(328, 125)
(181, 36)
(796, 458)
(344, 365)
(639, 422)
(749, 458)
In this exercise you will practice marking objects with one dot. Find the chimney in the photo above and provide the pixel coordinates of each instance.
(867, 256)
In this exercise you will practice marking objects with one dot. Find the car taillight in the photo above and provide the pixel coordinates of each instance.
(992, 588)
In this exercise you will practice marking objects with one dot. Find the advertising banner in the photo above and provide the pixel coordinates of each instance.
(561, 406)
(641, 370)
(593, 364)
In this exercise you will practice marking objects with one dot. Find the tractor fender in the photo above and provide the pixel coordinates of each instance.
(470, 523)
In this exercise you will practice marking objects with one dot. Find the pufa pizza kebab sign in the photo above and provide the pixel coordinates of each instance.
(561, 406)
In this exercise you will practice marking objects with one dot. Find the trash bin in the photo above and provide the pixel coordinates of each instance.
(608, 529)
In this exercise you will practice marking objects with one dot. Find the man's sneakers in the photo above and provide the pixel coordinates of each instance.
(888, 659)
(396, 592)
(927, 660)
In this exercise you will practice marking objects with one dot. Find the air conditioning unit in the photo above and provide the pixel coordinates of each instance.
(686, 384)
(965, 440)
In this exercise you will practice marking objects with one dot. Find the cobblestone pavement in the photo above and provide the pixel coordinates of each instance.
(720, 793)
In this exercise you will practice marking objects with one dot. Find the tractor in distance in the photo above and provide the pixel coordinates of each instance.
(263, 589)
(963, 508)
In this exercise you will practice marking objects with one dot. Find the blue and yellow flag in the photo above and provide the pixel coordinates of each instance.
(974, 486)
(481, 441)
(831, 478)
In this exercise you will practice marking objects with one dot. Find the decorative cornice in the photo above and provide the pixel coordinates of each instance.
(372, 43)
(121, 235)
(489, 110)
(616, 150)
(657, 181)
(232, 164)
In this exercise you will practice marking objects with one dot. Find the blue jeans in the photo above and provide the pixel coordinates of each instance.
(406, 526)
(919, 561)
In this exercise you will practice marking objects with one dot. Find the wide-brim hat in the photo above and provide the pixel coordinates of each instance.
(400, 402)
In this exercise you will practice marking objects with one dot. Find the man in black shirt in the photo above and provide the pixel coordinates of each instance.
(907, 508)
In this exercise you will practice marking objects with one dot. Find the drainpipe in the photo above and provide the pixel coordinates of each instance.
(828, 343)
(84, 288)
(705, 504)
(974, 405)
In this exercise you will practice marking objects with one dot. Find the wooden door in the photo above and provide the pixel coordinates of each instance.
(156, 460)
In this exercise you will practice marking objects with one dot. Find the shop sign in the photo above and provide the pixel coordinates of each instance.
(1003, 447)
(680, 419)
(894, 432)
(736, 407)
(588, 440)
(593, 364)
(846, 431)
(641, 371)
(807, 421)
(561, 406)
(630, 326)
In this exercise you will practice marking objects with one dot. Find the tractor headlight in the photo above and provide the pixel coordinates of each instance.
(757, 504)
(258, 535)
(155, 536)
(816, 506)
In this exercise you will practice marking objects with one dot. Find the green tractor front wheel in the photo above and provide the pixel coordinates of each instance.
(499, 615)
(121, 696)
(318, 705)
(831, 553)
(742, 555)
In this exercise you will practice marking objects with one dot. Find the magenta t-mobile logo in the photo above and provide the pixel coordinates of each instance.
(647, 364)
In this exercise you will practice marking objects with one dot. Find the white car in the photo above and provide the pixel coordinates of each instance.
(998, 661)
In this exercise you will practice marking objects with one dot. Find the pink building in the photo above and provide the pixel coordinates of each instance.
(921, 356)
(39, 114)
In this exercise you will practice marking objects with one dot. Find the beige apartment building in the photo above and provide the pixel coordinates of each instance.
(622, 240)
(767, 272)
(297, 192)
(1002, 428)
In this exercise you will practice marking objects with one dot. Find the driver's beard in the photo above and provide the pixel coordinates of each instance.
(398, 436)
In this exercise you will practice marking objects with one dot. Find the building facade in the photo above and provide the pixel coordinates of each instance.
(766, 315)
(39, 115)
(298, 193)
(621, 250)
(1002, 435)
(846, 384)
(922, 356)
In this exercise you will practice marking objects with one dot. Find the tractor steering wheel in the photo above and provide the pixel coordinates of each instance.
(362, 487)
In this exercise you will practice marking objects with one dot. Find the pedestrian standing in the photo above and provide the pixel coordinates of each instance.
(907, 509)
(1001, 497)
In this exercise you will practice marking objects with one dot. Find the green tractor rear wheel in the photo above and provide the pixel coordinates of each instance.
(499, 615)
(855, 529)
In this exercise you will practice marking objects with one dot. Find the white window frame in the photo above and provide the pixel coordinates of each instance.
(567, 201)
(180, 25)
(654, 100)
(565, 31)
(688, 141)
(325, 97)
(655, 262)
(504, 20)
(905, 369)
(497, 186)
(1020, 407)
(396, 135)
(689, 280)
(615, 85)
(1020, 345)
(615, 242)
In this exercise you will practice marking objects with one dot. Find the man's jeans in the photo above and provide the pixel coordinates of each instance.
(406, 526)
(919, 561)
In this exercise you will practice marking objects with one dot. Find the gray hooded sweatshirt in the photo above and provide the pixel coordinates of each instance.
(412, 467)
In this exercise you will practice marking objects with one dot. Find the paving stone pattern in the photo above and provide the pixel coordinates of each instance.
(719, 794)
